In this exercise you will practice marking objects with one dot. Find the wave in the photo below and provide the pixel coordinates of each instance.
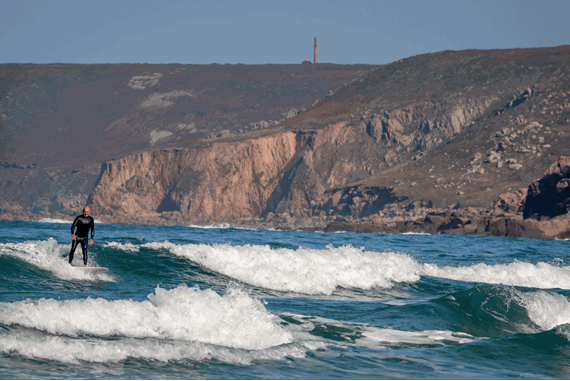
(51, 256)
(60, 221)
(75, 351)
(523, 274)
(234, 320)
(55, 221)
(218, 226)
(304, 270)
(123, 246)
(362, 334)
(321, 271)
(546, 309)
(497, 311)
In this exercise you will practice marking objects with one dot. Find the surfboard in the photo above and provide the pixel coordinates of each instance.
(93, 270)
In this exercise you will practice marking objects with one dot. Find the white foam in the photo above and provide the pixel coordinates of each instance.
(389, 336)
(414, 233)
(540, 275)
(305, 270)
(73, 350)
(123, 246)
(219, 226)
(545, 308)
(60, 221)
(321, 271)
(50, 256)
(55, 221)
(234, 320)
(374, 337)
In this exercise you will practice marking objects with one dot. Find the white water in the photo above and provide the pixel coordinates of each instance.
(51, 256)
(60, 221)
(305, 270)
(123, 246)
(546, 309)
(539, 275)
(70, 350)
(234, 320)
(314, 271)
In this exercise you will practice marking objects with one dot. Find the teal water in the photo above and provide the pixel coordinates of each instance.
(224, 303)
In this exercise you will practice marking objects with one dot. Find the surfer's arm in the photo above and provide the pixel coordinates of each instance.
(73, 226)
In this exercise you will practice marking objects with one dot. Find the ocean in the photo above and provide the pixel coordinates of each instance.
(191, 302)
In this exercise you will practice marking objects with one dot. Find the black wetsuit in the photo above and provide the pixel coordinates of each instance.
(83, 225)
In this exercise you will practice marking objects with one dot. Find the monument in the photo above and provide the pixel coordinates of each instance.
(316, 53)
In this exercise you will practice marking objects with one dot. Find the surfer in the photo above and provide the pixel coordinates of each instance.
(83, 223)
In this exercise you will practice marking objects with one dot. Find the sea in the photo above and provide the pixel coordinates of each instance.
(218, 302)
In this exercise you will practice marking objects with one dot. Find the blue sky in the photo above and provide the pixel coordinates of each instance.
(257, 32)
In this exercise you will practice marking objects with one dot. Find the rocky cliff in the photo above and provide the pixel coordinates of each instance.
(220, 183)
(540, 211)
(302, 174)
(60, 122)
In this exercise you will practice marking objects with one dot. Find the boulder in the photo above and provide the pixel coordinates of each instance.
(549, 197)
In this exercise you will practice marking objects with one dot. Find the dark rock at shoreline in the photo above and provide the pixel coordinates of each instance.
(541, 211)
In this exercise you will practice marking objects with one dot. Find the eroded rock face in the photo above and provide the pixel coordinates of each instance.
(224, 182)
(547, 198)
(550, 196)
(510, 202)
(423, 125)
(299, 174)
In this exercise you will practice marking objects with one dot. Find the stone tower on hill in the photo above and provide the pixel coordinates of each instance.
(316, 53)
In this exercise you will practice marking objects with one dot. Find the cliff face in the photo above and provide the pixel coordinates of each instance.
(60, 122)
(302, 174)
(224, 182)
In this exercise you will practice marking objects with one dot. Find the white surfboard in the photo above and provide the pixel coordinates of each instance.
(93, 270)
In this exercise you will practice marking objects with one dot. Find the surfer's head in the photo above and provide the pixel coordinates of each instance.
(86, 211)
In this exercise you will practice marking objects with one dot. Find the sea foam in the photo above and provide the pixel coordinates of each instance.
(546, 309)
(75, 350)
(304, 270)
(321, 271)
(234, 320)
(60, 221)
(123, 246)
(540, 275)
(51, 256)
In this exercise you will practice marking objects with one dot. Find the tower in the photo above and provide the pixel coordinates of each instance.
(316, 53)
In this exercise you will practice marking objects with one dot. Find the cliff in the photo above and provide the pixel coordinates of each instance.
(300, 174)
(60, 122)
(223, 182)
(540, 211)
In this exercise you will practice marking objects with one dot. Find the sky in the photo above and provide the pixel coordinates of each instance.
(260, 32)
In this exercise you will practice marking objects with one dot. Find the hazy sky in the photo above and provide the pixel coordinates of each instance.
(176, 31)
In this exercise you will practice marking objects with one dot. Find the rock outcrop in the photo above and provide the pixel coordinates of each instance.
(541, 211)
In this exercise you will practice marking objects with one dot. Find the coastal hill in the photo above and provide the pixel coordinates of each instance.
(60, 122)
(452, 129)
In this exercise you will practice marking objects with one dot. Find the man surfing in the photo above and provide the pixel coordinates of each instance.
(83, 223)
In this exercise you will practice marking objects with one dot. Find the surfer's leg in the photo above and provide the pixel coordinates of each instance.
(84, 246)
(73, 247)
